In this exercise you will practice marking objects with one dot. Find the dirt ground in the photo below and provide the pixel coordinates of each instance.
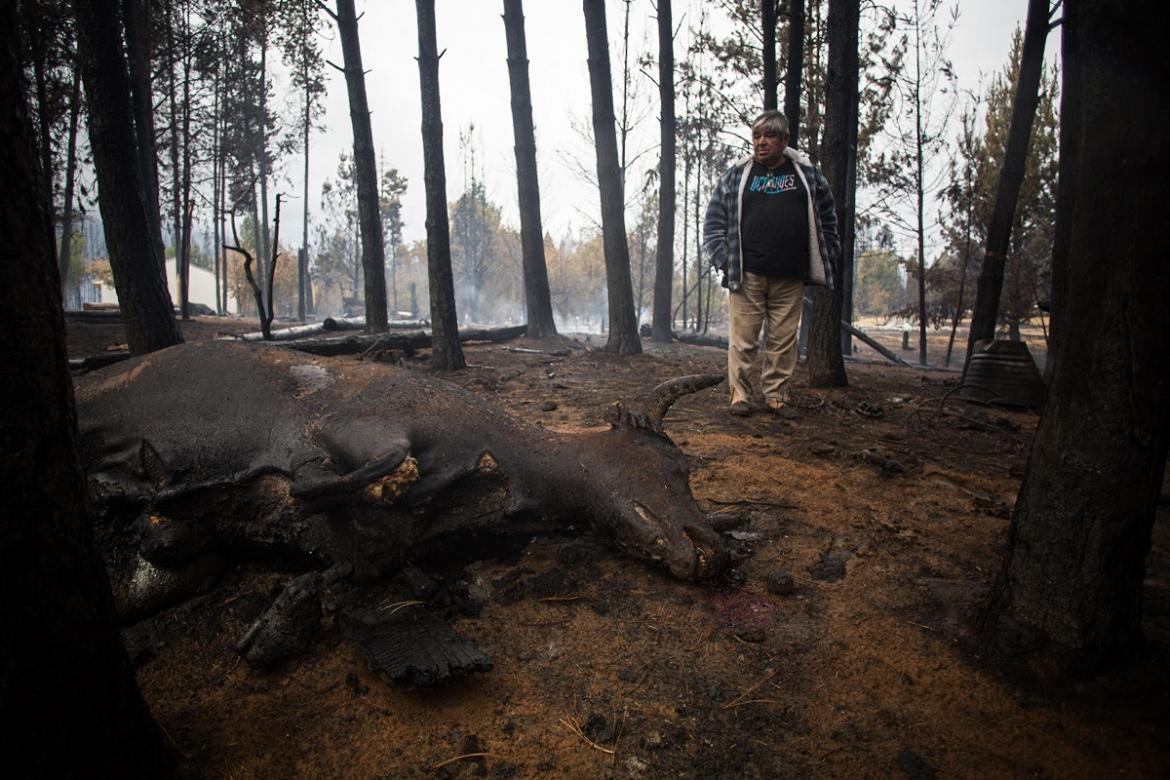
(865, 531)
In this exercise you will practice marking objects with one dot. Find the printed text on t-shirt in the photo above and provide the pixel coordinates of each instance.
(772, 184)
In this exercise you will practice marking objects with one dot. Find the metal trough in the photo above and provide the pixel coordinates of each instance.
(1003, 372)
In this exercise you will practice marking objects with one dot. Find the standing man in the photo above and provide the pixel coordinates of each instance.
(770, 228)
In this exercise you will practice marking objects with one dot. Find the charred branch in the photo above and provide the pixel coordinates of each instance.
(356, 344)
(265, 321)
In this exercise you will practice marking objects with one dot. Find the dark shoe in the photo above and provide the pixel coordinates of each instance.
(740, 409)
(779, 408)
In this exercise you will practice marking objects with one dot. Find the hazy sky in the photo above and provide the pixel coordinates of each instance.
(474, 85)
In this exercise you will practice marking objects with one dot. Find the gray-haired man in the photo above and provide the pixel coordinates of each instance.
(771, 228)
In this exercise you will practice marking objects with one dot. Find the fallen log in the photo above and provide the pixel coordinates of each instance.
(494, 335)
(700, 340)
(357, 343)
(296, 331)
(697, 339)
(550, 352)
(102, 316)
(869, 341)
(100, 360)
(717, 341)
(359, 323)
(353, 344)
(327, 325)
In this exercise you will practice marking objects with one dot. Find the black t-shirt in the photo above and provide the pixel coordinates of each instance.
(774, 229)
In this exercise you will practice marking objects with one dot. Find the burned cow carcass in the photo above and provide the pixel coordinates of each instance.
(196, 453)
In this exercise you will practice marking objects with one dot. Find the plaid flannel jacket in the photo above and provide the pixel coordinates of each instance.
(725, 211)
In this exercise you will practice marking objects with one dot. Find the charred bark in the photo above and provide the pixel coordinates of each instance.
(100, 360)
(1011, 176)
(216, 144)
(1067, 599)
(37, 23)
(302, 277)
(536, 292)
(264, 313)
(271, 314)
(261, 138)
(848, 228)
(136, 15)
(447, 354)
(700, 340)
(222, 285)
(303, 255)
(794, 69)
(70, 705)
(768, 29)
(623, 323)
(66, 249)
(142, 292)
(183, 249)
(356, 344)
(664, 258)
(365, 170)
(172, 91)
(826, 365)
(1070, 131)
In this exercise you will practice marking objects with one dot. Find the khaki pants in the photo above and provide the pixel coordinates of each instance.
(779, 301)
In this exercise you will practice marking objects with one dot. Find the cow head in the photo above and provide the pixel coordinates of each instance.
(642, 481)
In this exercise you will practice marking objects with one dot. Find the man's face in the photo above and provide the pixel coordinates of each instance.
(768, 148)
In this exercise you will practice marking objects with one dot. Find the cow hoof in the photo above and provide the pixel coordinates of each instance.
(287, 628)
(152, 588)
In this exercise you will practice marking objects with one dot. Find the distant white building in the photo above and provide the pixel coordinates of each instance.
(200, 289)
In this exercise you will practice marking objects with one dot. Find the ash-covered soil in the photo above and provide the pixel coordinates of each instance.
(866, 528)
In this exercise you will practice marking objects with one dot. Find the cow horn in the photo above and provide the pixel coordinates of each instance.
(671, 390)
(649, 415)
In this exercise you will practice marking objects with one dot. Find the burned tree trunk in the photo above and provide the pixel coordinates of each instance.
(768, 28)
(216, 145)
(183, 250)
(262, 312)
(306, 128)
(365, 170)
(271, 281)
(38, 32)
(263, 162)
(447, 353)
(536, 293)
(1070, 132)
(623, 323)
(66, 249)
(1007, 192)
(826, 366)
(664, 259)
(136, 14)
(142, 291)
(70, 705)
(378, 343)
(171, 56)
(1068, 596)
(794, 69)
